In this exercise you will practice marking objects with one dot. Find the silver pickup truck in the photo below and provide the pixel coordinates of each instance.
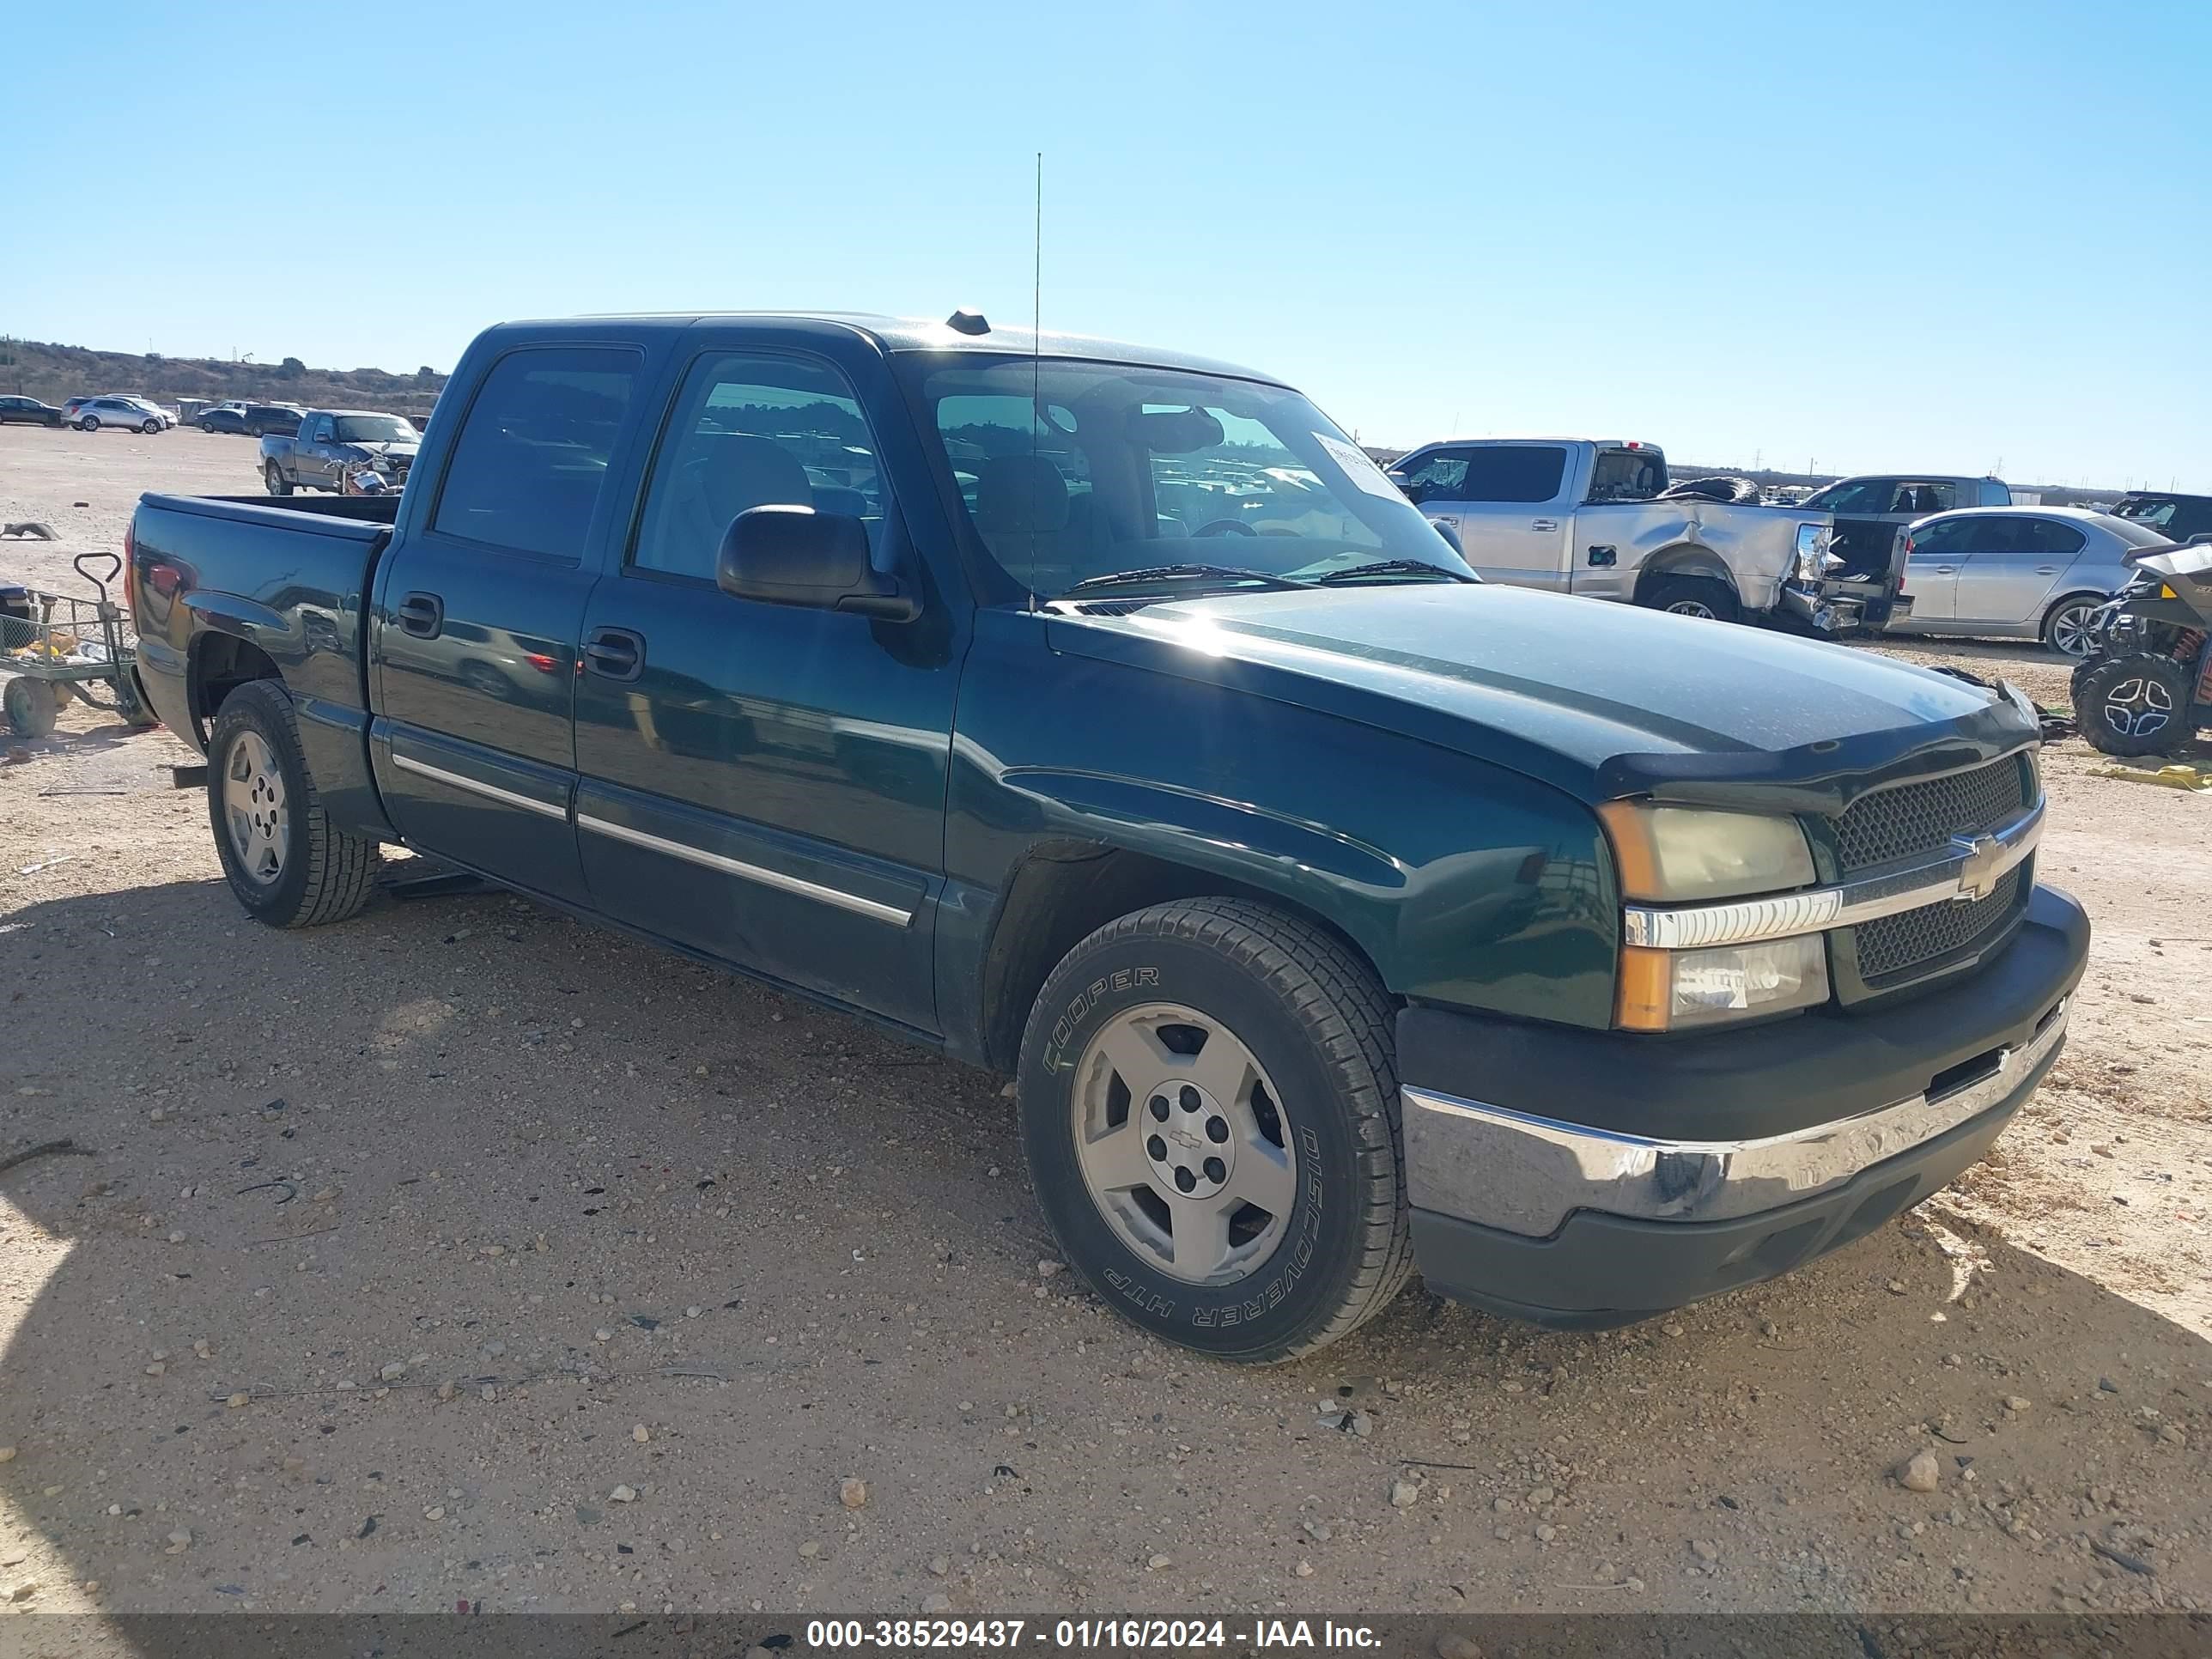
(1599, 518)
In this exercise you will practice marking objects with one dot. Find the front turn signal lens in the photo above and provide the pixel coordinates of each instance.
(1672, 990)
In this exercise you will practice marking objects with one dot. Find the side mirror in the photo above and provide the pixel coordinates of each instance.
(785, 554)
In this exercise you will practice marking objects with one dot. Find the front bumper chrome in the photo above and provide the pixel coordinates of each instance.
(1526, 1175)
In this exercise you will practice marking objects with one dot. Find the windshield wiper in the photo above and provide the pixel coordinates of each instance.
(1178, 573)
(1393, 568)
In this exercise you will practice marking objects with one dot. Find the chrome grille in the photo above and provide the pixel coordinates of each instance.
(1934, 932)
(1922, 817)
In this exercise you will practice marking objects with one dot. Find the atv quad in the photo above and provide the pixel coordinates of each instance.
(2146, 686)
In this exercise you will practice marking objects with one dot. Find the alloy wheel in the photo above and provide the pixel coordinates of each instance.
(254, 808)
(1183, 1143)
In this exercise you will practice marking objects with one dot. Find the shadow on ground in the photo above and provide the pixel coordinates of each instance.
(466, 1253)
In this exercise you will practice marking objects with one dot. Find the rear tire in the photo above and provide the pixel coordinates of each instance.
(1693, 596)
(2134, 705)
(1291, 1204)
(2065, 628)
(32, 707)
(88, 423)
(287, 865)
(274, 477)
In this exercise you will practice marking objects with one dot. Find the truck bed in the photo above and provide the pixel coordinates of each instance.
(295, 586)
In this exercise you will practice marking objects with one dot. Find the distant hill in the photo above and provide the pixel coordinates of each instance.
(56, 373)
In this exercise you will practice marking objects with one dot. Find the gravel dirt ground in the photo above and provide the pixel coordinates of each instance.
(467, 1254)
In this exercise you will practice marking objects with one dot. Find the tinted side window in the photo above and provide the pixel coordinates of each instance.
(1942, 541)
(2054, 539)
(1627, 475)
(755, 430)
(1866, 496)
(1513, 472)
(531, 459)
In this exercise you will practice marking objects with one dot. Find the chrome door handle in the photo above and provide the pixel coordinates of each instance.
(2046, 570)
(1545, 524)
(1947, 569)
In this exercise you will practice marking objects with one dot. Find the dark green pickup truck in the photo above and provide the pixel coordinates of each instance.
(1104, 717)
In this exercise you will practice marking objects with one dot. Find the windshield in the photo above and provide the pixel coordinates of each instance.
(373, 430)
(1073, 471)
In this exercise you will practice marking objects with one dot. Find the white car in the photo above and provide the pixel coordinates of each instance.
(2020, 573)
(133, 414)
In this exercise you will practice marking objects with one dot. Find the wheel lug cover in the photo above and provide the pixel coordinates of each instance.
(1190, 1151)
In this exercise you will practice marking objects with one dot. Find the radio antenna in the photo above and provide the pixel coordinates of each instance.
(1037, 357)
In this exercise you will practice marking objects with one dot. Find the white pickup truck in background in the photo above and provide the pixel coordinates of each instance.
(1599, 518)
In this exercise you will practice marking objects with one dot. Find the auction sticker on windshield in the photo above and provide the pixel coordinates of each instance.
(1359, 468)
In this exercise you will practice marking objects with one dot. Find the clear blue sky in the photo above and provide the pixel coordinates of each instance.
(1935, 235)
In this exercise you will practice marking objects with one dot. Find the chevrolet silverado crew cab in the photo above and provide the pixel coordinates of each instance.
(1106, 718)
(330, 440)
(1599, 519)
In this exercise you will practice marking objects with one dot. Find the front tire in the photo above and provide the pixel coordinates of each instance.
(1209, 1104)
(149, 428)
(2134, 705)
(274, 477)
(1693, 596)
(286, 862)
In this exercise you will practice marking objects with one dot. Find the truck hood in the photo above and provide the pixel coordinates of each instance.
(1603, 700)
(395, 447)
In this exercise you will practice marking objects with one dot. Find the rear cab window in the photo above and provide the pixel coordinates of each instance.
(528, 471)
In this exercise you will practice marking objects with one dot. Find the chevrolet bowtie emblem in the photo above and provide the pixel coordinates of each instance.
(1982, 868)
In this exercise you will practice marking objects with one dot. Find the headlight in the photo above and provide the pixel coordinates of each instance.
(1681, 855)
(1670, 990)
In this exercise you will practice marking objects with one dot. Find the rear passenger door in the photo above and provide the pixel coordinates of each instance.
(480, 610)
(766, 783)
(2014, 565)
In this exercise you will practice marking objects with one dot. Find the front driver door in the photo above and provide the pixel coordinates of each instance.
(766, 783)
